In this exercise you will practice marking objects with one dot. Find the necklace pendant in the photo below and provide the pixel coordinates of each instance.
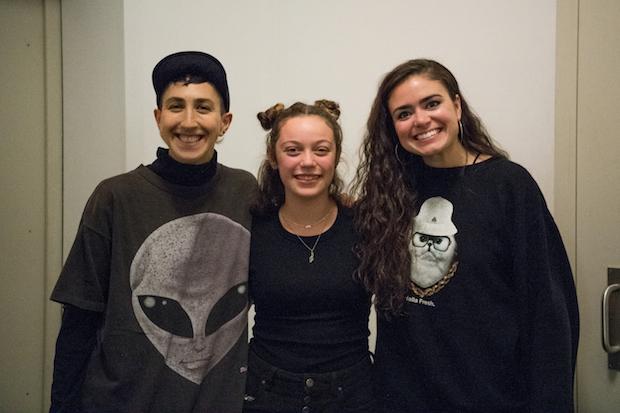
(311, 257)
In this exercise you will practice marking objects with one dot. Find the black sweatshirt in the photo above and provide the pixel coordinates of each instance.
(501, 333)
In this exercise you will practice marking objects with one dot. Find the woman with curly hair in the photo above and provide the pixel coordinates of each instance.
(309, 351)
(476, 303)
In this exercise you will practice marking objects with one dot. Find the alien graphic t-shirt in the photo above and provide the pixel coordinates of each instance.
(167, 265)
(491, 321)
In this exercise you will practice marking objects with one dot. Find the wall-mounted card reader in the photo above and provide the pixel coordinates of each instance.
(611, 318)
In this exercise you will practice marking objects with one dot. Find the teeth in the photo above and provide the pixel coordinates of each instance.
(189, 138)
(427, 135)
(306, 177)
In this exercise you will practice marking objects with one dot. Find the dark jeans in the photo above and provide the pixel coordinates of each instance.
(273, 390)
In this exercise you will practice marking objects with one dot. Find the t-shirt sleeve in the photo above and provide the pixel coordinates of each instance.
(549, 315)
(83, 281)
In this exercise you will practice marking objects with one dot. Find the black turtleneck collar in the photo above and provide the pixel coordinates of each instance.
(180, 173)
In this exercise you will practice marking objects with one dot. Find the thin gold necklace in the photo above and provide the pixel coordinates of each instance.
(306, 226)
(311, 250)
(311, 256)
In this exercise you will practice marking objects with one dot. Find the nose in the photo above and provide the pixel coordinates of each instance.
(188, 120)
(421, 118)
(307, 158)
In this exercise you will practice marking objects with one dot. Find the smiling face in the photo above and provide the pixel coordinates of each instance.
(426, 121)
(305, 156)
(191, 120)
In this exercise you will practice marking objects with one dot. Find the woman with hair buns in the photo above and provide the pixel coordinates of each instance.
(309, 351)
(476, 304)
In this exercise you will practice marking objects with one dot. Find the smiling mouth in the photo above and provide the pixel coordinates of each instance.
(427, 135)
(307, 178)
(189, 138)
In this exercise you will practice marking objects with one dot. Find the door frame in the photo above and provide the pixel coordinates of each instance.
(565, 165)
(53, 185)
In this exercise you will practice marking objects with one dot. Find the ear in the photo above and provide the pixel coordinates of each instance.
(457, 105)
(226, 121)
(157, 115)
(272, 160)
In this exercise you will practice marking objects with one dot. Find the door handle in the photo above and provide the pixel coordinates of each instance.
(607, 345)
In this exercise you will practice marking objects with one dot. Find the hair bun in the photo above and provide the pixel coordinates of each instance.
(268, 117)
(329, 106)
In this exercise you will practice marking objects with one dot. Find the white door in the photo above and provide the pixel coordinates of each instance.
(598, 194)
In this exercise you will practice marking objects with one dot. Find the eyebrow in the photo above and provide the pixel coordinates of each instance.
(319, 142)
(410, 106)
(179, 99)
(202, 100)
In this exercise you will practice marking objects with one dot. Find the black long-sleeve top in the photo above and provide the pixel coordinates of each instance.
(310, 317)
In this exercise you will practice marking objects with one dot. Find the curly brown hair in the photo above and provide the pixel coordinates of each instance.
(386, 188)
(271, 194)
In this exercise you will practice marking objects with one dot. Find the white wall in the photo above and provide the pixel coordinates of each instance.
(93, 102)
(501, 51)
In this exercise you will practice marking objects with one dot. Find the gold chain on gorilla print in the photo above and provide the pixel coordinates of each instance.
(425, 292)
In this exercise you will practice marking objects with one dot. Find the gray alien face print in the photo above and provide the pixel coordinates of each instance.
(433, 246)
(189, 291)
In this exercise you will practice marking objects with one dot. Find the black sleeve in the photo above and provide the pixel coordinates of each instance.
(76, 340)
(550, 319)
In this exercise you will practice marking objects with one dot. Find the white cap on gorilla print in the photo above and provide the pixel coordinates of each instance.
(435, 218)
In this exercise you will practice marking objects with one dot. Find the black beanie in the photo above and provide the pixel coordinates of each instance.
(174, 67)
